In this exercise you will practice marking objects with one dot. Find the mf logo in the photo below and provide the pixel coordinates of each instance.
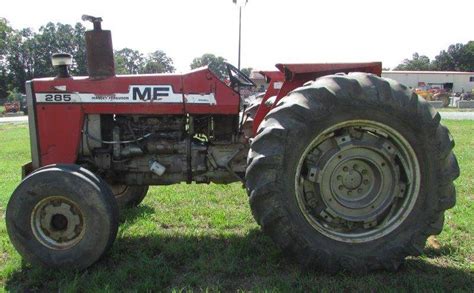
(147, 93)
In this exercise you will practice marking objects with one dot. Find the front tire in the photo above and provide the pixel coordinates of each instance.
(61, 217)
(351, 172)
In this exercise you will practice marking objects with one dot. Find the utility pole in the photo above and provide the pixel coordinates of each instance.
(240, 4)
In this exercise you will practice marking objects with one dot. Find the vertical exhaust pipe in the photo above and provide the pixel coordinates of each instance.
(100, 52)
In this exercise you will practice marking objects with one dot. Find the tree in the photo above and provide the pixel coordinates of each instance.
(54, 38)
(216, 64)
(417, 63)
(458, 57)
(247, 71)
(13, 95)
(5, 35)
(128, 61)
(158, 62)
(80, 50)
(5, 32)
(29, 53)
(21, 58)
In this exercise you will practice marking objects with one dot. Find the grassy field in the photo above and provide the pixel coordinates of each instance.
(198, 237)
(452, 109)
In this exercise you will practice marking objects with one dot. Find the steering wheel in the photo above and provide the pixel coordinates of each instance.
(238, 78)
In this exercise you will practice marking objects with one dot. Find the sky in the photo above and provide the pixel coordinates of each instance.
(273, 31)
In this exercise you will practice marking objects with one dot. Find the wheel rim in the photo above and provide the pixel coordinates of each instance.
(357, 181)
(57, 222)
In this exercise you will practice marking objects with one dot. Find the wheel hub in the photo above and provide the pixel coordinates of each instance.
(358, 179)
(354, 181)
(57, 222)
(351, 180)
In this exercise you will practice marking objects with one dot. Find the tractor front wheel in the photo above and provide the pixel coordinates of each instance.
(351, 172)
(62, 217)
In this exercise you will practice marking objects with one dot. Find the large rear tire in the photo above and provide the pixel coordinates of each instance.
(62, 217)
(351, 172)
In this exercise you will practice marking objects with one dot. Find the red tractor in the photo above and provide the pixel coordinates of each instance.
(12, 107)
(344, 169)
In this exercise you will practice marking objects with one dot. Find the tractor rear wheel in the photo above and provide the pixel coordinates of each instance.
(128, 196)
(351, 172)
(62, 217)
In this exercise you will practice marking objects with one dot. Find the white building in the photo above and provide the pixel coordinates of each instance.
(455, 81)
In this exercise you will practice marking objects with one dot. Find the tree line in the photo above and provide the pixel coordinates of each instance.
(457, 57)
(26, 54)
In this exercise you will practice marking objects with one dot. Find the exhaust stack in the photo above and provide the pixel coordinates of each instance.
(100, 52)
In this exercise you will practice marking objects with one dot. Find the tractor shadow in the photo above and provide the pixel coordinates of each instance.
(199, 260)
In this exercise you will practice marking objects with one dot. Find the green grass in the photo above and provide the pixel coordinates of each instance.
(203, 237)
(452, 109)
